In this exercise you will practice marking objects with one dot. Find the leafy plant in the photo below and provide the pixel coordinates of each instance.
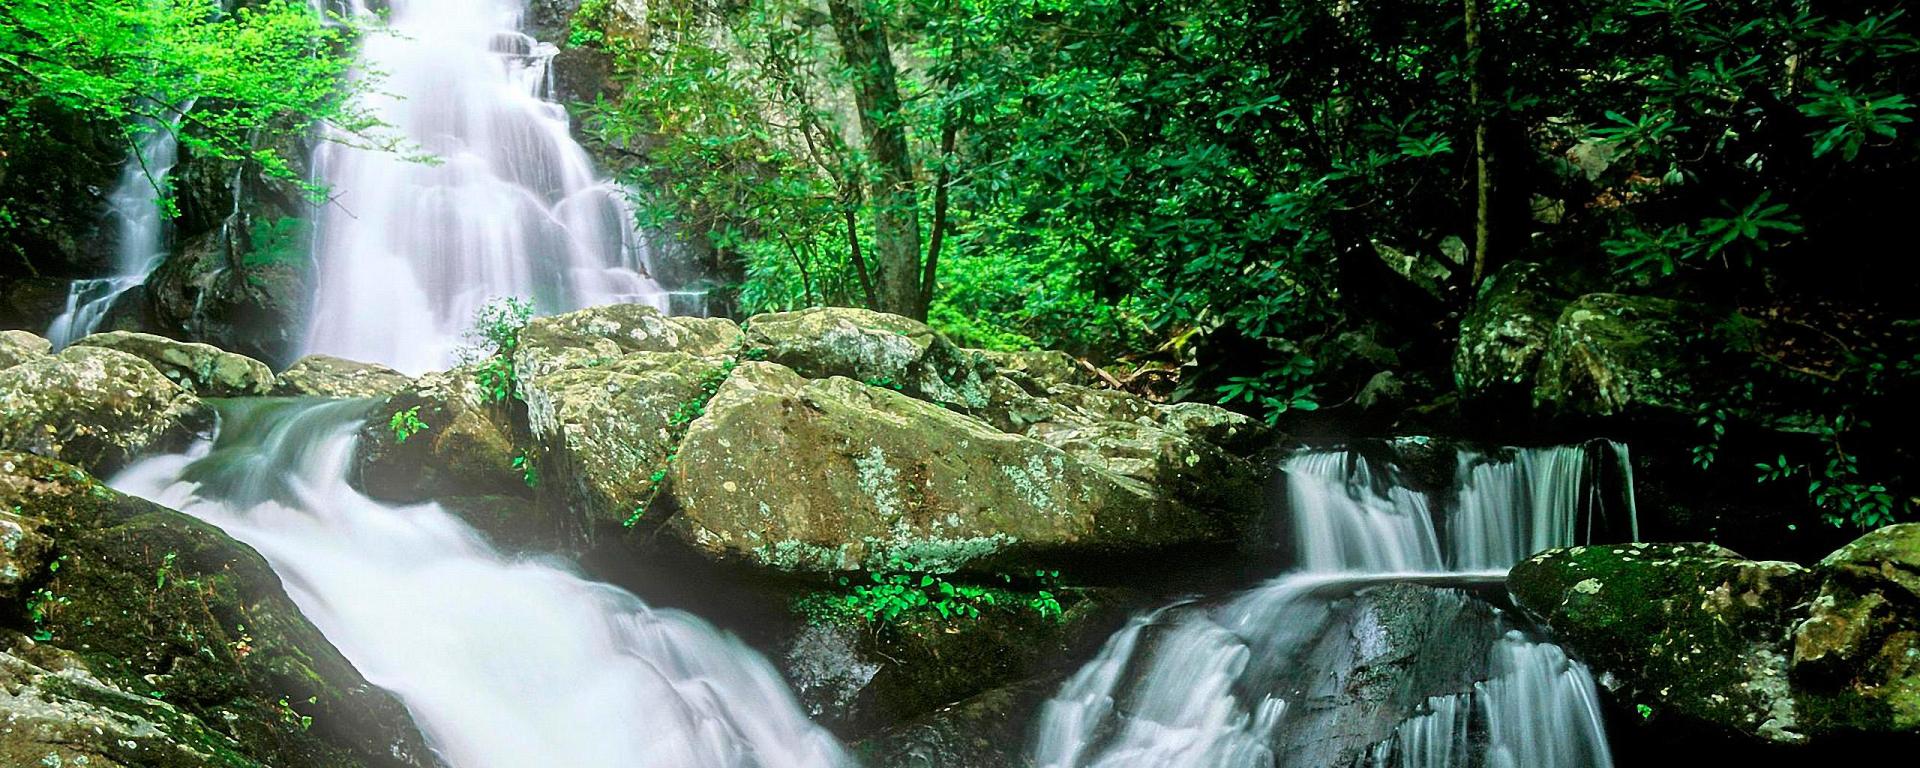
(405, 424)
(529, 471)
(492, 340)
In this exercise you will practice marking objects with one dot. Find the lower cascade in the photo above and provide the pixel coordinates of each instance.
(503, 662)
(1382, 649)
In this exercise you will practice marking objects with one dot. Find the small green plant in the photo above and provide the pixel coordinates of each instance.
(1646, 712)
(41, 604)
(884, 382)
(292, 717)
(492, 340)
(634, 519)
(405, 424)
(902, 591)
(160, 574)
(529, 471)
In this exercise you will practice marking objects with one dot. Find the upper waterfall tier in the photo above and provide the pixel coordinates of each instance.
(490, 196)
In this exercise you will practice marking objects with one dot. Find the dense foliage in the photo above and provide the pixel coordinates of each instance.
(214, 77)
(1283, 197)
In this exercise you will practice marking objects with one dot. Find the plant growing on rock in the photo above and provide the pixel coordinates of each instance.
(405, 424)
(493, 338)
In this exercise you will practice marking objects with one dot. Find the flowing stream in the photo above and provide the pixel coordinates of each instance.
(1275, 675)
(496, 200)
(504, 663)
(140, 235)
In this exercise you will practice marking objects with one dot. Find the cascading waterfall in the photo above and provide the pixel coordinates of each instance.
(503, 203)
(140, 226)
(1241, 683)
(503, 663)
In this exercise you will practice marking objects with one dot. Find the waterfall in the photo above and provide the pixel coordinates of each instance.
(500, 201)
(503, 663)
(140, 228)
(1257, 679)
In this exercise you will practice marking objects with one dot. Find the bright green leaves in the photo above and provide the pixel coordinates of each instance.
(492, 339)
(1855, 119)
(405, 424)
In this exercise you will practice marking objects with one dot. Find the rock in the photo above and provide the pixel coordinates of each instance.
(31, 303)
(326, 376)
(594, 337)
(879, 349)
(1860, 641)
(1623, 356)
(830, 475)
(94, 407)
(606, 431)
(218, 289)
(1505, 333)
(17, 347)
(142, 601)
(1037, 372)
(24, 550)
(201, 368)
(466, 447)
(1771, 651)
(983, 731)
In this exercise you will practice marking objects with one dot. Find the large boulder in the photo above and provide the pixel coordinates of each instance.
(1621, 356)
(220, 288)
(201, 368)
(327, 376)
(1769, 651)
(878, 349)
(133, 601)
(1505, 333)
(830, 474)
(17, 347)
(94, 407)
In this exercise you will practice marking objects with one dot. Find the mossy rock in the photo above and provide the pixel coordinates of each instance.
(594, 337)
(201, 368)
(876, 348)
(327, 376)
(467, 447)
(1613, 356)
(1506, 331)
(17, 347)
(160, 604)
(1860, 642)
(96, 408)
(832, 475)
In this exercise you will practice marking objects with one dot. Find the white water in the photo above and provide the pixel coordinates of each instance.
(140, 227)
(509, 206)
(504, 663)
(1194, 686)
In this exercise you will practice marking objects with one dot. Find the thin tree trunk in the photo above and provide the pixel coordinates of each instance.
(949, 134)
(896, 219)
(859, 260)
(1482, 151)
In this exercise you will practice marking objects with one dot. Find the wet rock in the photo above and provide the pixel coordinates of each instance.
(17, 347)
(201, 368)
(1770, 651)
(222, 288)
(142, 601)
(94, 407)
(984, 731)
(1623, 356)
(1506, 332)
(31, 303)
(327, 376)
(830, 474)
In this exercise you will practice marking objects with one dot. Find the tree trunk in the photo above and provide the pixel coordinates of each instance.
(1482, 149)
(896, 218)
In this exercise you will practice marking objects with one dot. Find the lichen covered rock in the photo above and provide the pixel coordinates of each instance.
(94, 407)
(17, 347)
(875, 348)
(1505, 333)
(594, 337)
(326, 376)
(200, 368)
(1860, 640)
(1622, 356)
(145, 601)
(830, 474)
